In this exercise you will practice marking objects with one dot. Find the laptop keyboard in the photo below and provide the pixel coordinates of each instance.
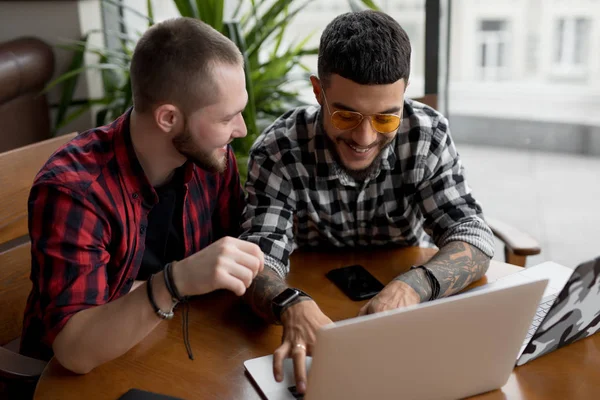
(541, 312)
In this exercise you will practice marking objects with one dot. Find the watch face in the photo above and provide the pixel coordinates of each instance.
(285, 297)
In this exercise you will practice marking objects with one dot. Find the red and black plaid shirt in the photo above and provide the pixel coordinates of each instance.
(88, 213)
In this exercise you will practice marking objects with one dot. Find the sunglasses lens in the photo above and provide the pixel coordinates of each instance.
(344, 120)
(385, 123)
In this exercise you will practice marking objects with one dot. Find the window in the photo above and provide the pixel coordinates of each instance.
(492, 44)
(534, 126)
(571, 42)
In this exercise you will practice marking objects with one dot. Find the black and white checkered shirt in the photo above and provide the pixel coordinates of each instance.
(299, 196)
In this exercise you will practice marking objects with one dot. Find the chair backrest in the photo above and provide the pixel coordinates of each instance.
(15, 266)
(429, 99)
(17, 170)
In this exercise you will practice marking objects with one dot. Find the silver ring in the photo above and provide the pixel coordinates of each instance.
(301, 346)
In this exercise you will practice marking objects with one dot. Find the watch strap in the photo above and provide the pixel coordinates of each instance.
(278, 310)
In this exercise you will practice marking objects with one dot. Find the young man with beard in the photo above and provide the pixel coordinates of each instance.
(366, 168)
(154, 196)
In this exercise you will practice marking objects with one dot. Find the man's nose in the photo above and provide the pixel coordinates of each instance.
(364, 134)
(240, 130)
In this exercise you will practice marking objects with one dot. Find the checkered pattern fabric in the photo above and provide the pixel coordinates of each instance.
(299, 196)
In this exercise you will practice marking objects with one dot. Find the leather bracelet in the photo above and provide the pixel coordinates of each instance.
(162, 314)
(170, 283)
(177, 297)
(433, 282)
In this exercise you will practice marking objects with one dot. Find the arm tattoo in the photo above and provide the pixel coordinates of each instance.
(417, 280)
(456, 265)
(263, 290)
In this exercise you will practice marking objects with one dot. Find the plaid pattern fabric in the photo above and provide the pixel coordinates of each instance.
(88, 214)
(299, 196)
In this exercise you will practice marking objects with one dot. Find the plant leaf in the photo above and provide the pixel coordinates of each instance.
(116, 56)
(237, 10)
(110, 78)
(371, 4)
(211, 12)
(234, 32)
(186, 8)
(68, 89)
(273, 26)
(78, 70)
(129, 9)
(119, 35)
(150, 10)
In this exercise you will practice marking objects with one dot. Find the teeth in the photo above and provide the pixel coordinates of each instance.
(358, 150)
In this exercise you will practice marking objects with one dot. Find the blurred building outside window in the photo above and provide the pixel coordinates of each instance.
(572, 36)
(493, 41)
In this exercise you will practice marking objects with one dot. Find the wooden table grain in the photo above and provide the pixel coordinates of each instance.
(224, 333)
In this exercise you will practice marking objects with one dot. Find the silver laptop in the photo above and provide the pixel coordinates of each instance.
(447, 349)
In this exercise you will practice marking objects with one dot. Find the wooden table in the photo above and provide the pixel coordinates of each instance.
(224, 333)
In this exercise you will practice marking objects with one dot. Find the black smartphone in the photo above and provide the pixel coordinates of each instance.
(137, 394)
(355, 281)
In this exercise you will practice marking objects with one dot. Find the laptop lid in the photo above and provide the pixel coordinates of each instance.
(574, 315)
(451, 348)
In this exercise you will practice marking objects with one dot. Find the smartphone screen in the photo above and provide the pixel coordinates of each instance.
(355, 281)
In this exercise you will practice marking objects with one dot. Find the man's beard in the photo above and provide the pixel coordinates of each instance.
(357, 174)
(184, 143)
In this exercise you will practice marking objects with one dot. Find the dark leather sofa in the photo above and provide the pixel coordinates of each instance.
(26, 66)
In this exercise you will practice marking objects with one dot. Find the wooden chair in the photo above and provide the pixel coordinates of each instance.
(18, 168)
(517, 244)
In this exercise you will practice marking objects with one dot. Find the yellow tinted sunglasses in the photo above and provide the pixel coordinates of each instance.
(346, 120)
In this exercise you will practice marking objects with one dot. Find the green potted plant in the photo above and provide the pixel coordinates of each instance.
(258, 32)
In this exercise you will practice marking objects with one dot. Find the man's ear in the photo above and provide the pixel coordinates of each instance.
(317, 90)
(167, 117)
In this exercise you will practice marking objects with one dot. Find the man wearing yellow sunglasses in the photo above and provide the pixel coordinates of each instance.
(366, 168)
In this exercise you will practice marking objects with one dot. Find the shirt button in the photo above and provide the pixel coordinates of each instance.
(135, 196)
(143, 229)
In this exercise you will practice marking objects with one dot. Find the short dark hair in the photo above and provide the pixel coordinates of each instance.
(368, 47)
(175, 56)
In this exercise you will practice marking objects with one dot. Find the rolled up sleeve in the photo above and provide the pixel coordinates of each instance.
(268, 216)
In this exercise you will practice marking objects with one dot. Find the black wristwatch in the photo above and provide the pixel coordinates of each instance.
(284, 299)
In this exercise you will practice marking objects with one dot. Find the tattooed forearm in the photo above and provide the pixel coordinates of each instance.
(456, 265)
(263, 290)
(417, 279)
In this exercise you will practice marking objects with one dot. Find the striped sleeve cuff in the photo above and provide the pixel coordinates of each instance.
(473, 231)
(281, 269)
